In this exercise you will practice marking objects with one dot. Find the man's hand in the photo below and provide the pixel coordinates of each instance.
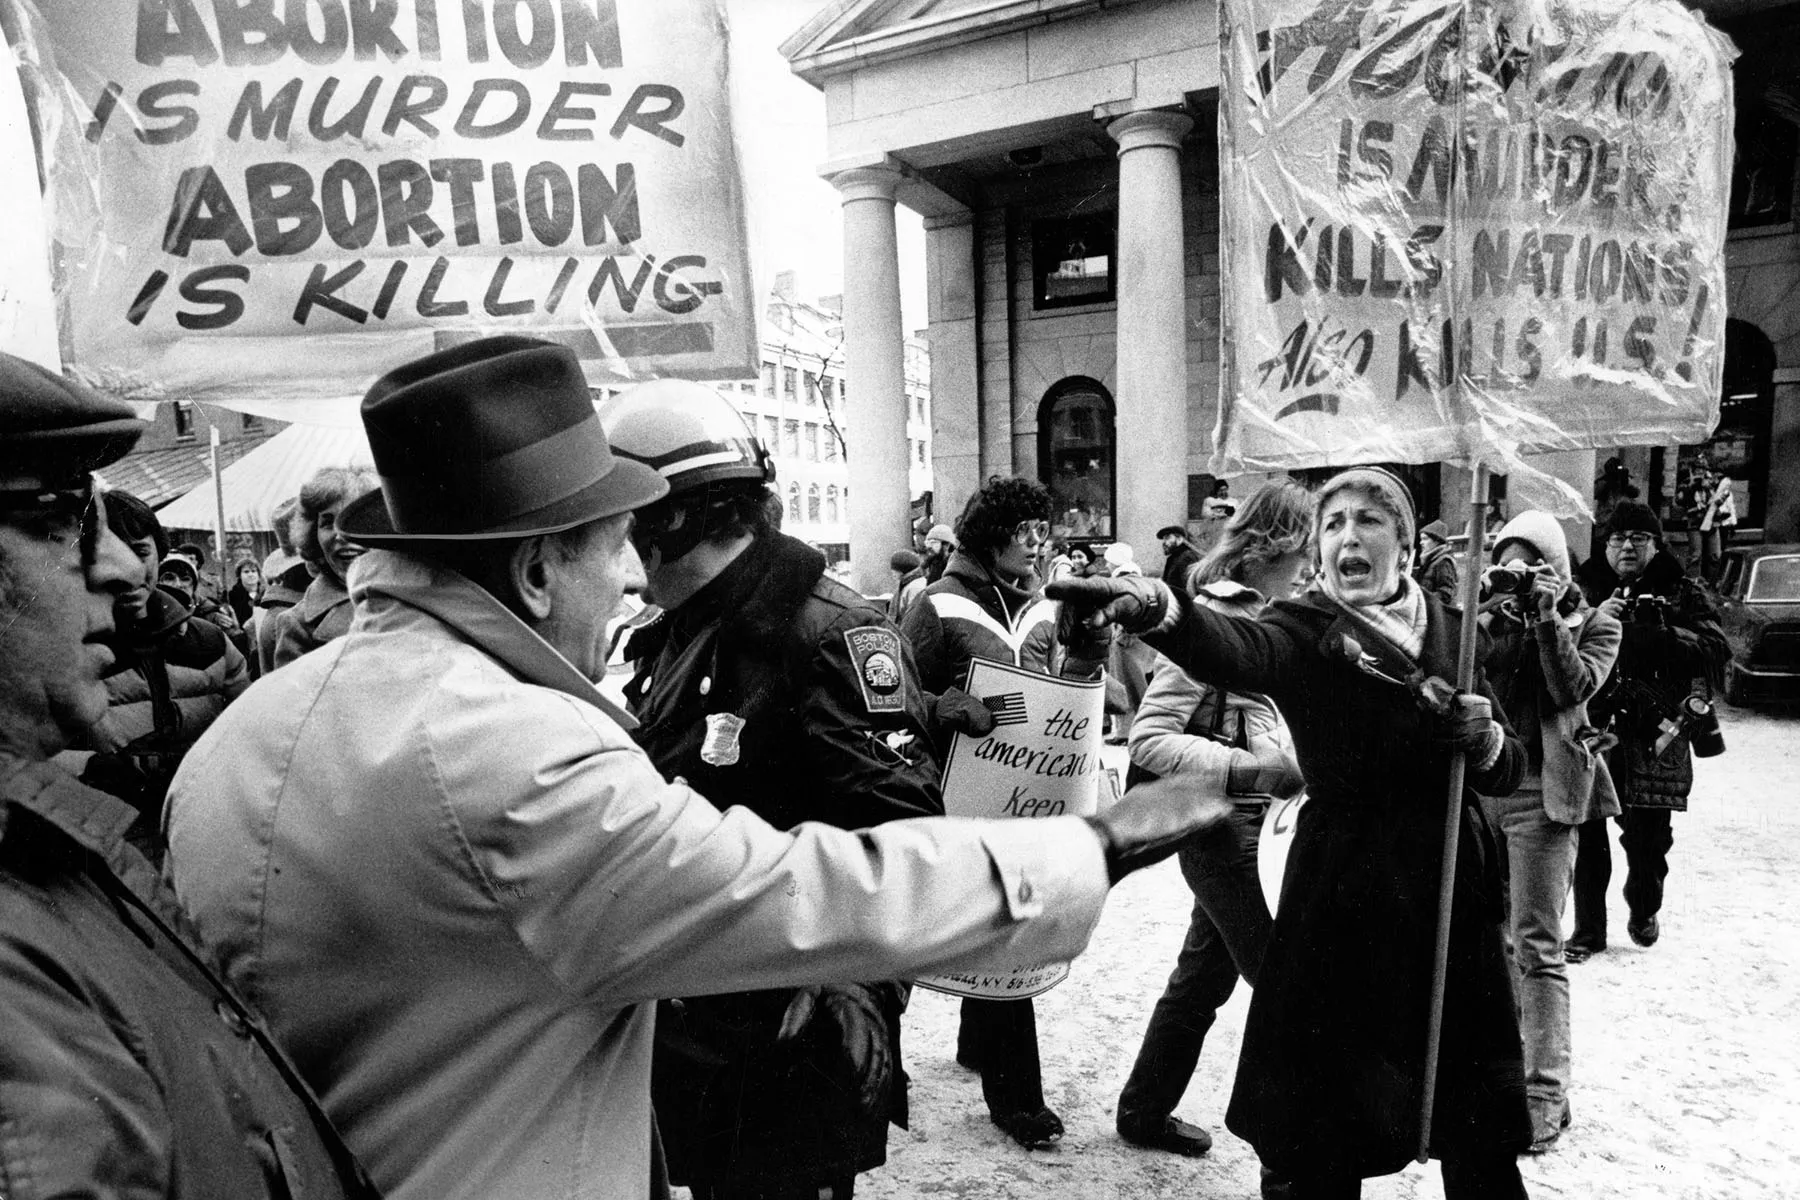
(955, 711)
(1614, 605)
(862, 1035)
(1134, 603)
(1151, 820)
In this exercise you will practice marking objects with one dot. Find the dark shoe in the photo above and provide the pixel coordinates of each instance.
(1644, 932)
(1580, 952)
(1039, 1130)
(1175, 1136)
(1548, 1119)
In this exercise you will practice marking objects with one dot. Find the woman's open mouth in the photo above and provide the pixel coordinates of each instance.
(1354, 568)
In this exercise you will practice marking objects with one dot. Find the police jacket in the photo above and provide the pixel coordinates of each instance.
(1668, 651)
(776, 688)
(127, 1068)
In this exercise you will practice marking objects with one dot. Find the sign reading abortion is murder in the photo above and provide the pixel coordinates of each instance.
(1459, 229)
(1041, 760)
(265, 200)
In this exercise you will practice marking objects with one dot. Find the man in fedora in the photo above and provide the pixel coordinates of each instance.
(127, 1067)
(457, 911)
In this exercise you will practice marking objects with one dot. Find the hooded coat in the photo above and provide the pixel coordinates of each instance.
(1546, 672)
(1330, 1075)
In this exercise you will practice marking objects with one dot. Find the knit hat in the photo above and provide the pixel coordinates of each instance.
(903, 561)
(1633, 516)
(941, 533)
(1119, 554)
(1540, 532)
(1380, 482)
(1438, 530)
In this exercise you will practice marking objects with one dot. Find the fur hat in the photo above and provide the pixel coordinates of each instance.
(1632, 516)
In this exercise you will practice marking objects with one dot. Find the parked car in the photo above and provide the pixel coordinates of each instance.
(1759, 599)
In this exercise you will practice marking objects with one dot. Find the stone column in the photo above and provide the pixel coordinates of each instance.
(1151, 421)
(955, 399)
(875, 362)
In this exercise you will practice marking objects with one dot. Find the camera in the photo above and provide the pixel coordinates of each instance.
(1695, 720)
(1701, 725)
(1647, 609)
(1509, 580)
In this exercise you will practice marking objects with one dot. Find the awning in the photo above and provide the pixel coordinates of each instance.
(159, 476)
(258, 483)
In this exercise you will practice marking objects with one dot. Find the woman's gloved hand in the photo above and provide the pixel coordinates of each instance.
(1134, 603)
(955, 711)
(1469, 727)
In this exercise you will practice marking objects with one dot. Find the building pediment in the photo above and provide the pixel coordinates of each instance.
(847, 34)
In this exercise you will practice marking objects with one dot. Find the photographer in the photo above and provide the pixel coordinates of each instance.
(1548, 654)
(1673, 647)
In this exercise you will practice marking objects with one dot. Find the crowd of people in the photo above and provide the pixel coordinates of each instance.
(422, 911)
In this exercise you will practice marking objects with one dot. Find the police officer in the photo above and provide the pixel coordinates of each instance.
(766, 684)
(126, 1067)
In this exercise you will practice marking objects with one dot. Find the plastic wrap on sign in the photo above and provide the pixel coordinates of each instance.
(256, 202)
(1460, 231)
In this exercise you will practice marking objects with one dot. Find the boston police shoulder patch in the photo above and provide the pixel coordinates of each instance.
(875, 653)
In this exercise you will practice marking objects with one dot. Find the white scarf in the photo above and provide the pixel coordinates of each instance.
(1400, 620)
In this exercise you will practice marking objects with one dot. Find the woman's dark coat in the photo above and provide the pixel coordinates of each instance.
(1330, 1077)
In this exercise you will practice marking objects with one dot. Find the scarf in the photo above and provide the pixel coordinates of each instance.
(1400, 620)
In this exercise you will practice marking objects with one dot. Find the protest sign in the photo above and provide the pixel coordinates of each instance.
(1041, 760)
(1464, 230)
(27, 312)
(259, 200)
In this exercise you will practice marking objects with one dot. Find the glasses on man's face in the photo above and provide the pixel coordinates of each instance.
(1638, 540)
(1032, 533)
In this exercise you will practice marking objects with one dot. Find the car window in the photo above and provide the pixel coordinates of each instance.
(1775, 580)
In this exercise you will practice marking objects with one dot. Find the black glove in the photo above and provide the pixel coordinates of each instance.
(1134, 603)
(862, 1035)
(955, 711)
(1151, 820)
(1469, 726)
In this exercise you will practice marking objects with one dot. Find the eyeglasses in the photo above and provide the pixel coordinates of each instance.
(1639, 540)
(1033, 532)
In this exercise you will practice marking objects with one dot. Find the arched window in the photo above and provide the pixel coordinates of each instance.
(794, 503)
(1076, 457)
(831, 504)
(812, 503)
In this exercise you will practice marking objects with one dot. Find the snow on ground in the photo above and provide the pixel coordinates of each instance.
(1687, 1056)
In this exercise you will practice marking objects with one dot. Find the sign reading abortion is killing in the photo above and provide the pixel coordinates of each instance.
(1464, 229)
(279, 199)
(1041, 760)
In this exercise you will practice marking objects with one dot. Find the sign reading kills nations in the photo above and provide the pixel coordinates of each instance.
(1462, 230)
(281, 198)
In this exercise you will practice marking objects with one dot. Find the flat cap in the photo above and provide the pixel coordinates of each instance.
(53, 429)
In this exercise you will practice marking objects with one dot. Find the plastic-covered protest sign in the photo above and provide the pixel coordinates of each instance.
(1041, 760)
(1461, 230)
(263, 201)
